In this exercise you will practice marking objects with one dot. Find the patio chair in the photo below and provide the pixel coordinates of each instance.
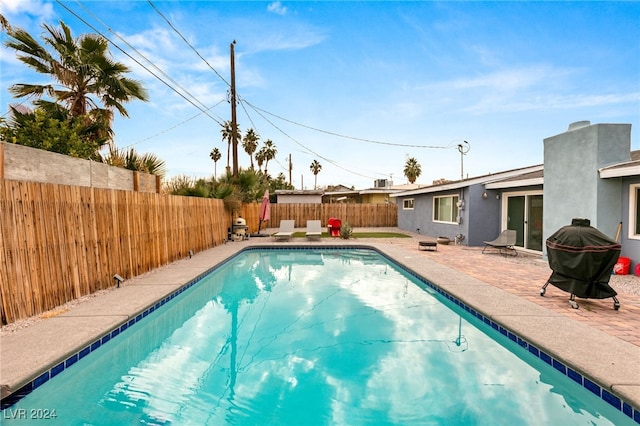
(285, 231)
(504, 243)
(314, 230)
(334, 225)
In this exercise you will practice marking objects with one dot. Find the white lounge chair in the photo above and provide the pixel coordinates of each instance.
(314, 230)
(285, 231)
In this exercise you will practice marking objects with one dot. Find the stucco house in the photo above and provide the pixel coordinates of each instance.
(589, 171)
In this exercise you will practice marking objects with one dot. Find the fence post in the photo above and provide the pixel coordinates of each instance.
(136, 181)
(1, 161)
(158, 184)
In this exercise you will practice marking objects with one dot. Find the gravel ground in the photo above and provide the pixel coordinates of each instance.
(20, 324)
(629, 284)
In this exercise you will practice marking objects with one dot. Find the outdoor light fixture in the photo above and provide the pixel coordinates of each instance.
(190, 254)
(118, 279)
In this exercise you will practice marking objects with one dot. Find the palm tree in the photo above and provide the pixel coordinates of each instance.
(412, 169)
(215, 156)
(315, 169)
(87, 80)
(130, 159)
(270, 152)
(260, 158)
(250, 143)
(227, 135)
(152, 164)
(4, 23)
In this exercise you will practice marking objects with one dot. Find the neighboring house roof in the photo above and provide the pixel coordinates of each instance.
(627, 168)
(337, 188)
(390, 189)
(518, 177)
(345, 192)
(298, 192)
(335, 191)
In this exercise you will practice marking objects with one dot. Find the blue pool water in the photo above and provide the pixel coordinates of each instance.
(306, 337)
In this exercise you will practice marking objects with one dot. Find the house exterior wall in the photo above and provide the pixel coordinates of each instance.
(482, 215)
(375, 198)
(572, 186)
(630, 245)
(421, 217)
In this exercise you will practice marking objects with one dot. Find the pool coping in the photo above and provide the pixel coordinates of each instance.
(72, 335)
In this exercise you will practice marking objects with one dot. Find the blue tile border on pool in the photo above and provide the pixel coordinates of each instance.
(601, 392)
(605, 395)
(16, 396)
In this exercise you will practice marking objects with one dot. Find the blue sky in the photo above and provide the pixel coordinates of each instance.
(362, 86)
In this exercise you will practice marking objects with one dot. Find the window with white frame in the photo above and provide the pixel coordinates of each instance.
(445, 209)
(634, 211)
(407, 204)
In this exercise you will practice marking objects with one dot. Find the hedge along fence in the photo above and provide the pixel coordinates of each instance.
(60, 242)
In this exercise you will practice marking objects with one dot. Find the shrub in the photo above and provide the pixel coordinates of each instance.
(346, 231)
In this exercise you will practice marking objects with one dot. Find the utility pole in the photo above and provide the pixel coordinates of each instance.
(234, 123)
(463, 150)
(290, 169)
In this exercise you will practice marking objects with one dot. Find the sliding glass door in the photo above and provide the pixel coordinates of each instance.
(523, 213)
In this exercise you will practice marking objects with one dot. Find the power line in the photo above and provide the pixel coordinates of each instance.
(172, 127)
(282, 118)
(260, 111)
(187, 42)
(304, 147)
(266, 112)
(349, 137)
(140, 54)
(136, 61)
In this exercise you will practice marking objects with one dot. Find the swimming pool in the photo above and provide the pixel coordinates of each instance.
(312, 337)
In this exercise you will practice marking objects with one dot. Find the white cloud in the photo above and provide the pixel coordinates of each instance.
(512, 79)
(20, 8)
(179, 65)
(523, 89)
(290, 41)
(277, 7)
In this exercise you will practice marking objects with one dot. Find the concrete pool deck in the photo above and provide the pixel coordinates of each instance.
(595, 340)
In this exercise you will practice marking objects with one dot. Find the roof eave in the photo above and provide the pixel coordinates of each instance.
(515, 183)
(616, 172)
(496, 177)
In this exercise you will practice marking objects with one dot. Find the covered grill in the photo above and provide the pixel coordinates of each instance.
(582, 259)
(240, 228)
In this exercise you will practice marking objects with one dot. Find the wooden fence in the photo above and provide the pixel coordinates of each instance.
(356, 215)
(60, 242)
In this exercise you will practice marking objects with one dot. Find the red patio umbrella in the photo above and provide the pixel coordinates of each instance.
(265, 209)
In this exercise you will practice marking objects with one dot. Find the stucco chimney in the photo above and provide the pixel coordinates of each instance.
(572, 185)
